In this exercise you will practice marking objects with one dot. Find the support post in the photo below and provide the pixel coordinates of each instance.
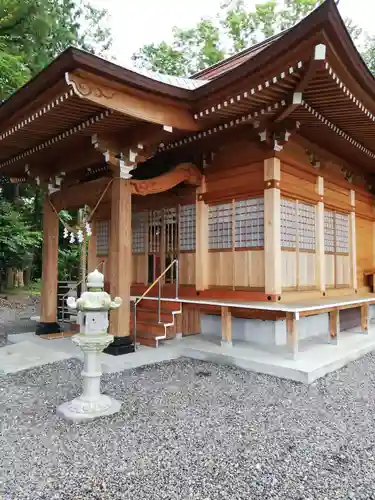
(320, 255)
(292, 331)
(201, 255)
(48, 315)
(353, 242)
(364, 318)
(272, 236)
(120, 254)
(226, 327)
(334, 326)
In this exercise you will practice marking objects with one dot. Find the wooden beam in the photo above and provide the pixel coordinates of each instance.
(120, 254)
(226, 327)
(50, 264)
(124, 100)
(272, 236)
(320, 278)
(201, 252)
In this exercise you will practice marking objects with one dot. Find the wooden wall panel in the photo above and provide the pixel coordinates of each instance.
(249, 269)
(342, 270)
(220, 269)
(288, 269)
(294, 186)
(187, 268)
(336, 197)
(139, 268)
(306, 269)
(330, 270)
(364, 230)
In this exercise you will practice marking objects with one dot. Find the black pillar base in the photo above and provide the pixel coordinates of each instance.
(120, 345)
(47, 328)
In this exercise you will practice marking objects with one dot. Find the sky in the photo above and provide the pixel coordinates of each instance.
(134, 23)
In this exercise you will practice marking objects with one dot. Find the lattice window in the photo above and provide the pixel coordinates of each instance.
(342, 233)
(139, 221)
(288, 221)
(187, 227)
(154, 230)
(329, 231)
(336, 232)
(306, 226)
(170, 225)
(220, 226)
(249, 219)
(102, 237)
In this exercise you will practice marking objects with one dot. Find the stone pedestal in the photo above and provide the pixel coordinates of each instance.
(91, 404)
(92, 308)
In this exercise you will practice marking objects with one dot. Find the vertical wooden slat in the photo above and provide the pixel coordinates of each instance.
(272, 236)
(320, 277)
(121, 255)
(226, 326)
(298, 264)
(201, 255)
(233, 244)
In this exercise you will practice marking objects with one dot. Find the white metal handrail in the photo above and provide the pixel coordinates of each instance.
(157, 281)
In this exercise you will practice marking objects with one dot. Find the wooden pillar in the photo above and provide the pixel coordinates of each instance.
(334, 325)
(48, 311)
(364, 317)
(201, 253)
(120, 254)
(352, 242)
(320, 255)
(292, 333)
(226, 327)
(91, 260)
(272, 236)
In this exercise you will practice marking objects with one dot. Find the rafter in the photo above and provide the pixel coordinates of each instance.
(295, 98)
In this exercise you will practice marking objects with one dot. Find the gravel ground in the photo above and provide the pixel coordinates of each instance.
(191, 430)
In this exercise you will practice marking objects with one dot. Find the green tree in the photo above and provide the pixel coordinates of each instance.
(17, 239)
(33, 32)
(191, 50)
(235, 29)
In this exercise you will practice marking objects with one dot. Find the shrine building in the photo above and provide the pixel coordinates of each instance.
(243, 193)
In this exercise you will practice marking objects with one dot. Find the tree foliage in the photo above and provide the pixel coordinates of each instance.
(33, 32)
(231, 31)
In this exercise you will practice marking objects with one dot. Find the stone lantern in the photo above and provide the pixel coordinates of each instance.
(93, 307)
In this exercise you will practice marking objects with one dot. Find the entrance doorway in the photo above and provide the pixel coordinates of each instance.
(162, 243)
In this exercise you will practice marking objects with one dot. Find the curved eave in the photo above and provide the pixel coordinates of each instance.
(325, 22)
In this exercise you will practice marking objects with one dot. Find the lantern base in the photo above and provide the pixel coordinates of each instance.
(80, 410)
(120, 345)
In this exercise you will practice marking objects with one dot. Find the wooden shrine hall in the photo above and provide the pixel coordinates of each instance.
(239, 192)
